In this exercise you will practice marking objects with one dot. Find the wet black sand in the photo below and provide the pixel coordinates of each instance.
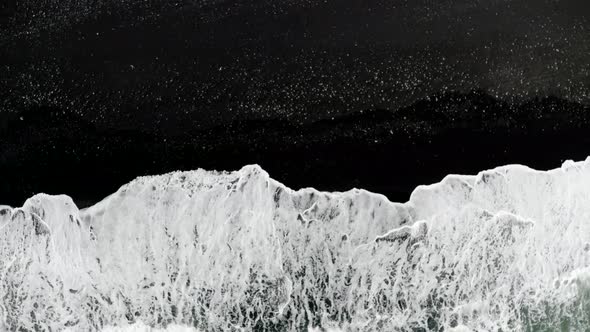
(331, 94)
(390, 152)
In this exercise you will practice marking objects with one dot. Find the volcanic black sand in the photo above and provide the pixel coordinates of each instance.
(390, 152)
(382, 95)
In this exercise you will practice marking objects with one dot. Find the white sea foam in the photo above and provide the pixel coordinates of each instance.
(506, 249)
(141, 327)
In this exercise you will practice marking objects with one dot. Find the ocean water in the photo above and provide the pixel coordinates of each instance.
(507, 249)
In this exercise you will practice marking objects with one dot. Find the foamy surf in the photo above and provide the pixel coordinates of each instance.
(507, 249)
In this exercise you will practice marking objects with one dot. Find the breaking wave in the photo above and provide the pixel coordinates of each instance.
(506, 250)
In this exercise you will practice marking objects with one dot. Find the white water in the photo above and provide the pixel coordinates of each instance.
(505, 250)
